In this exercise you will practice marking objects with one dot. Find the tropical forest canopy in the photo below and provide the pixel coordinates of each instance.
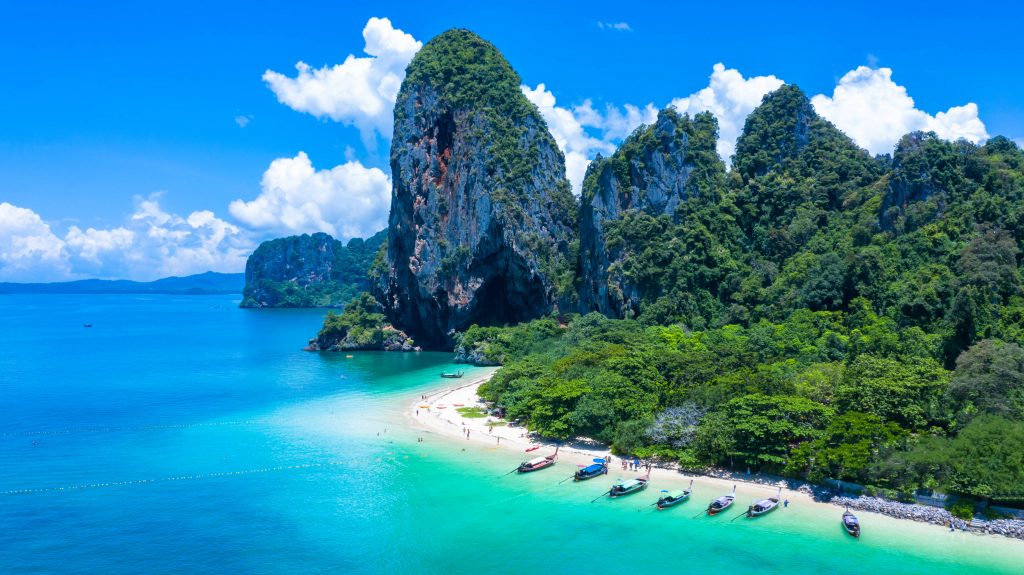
(813, 311)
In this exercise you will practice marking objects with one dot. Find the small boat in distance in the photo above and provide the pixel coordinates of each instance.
(87, 325)
(764, 506)
(451, 374)
(851, 523)
(722, 503)
(599, 467)
(628, 487)
(674, 497)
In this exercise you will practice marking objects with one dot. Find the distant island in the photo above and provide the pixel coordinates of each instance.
(208, 283)
(309, 271)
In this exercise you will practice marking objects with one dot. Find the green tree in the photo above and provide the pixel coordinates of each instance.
(846, 448)
(765, 428)
(986, 459)
(989, 378)
(908, 393)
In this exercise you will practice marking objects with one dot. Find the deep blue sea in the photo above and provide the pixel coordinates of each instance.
(181, 434)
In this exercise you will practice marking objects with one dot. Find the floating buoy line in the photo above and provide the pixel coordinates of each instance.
(200, 476)
(72, 431)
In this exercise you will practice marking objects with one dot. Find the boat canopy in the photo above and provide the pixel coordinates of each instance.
(536, 461)
(675, 494)
(593, 468)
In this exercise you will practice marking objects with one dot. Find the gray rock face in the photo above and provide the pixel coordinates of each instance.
(654, 171)
(481, 212)
(308, 271)
(301, 260)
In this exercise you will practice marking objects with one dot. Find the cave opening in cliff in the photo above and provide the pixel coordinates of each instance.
(496, 305)
(444, 132)
(444, 136)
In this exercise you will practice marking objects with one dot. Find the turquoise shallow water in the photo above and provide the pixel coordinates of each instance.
(183, 435)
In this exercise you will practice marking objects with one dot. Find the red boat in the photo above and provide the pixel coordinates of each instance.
(538, 463)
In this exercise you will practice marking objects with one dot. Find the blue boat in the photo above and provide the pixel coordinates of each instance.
(591, 471)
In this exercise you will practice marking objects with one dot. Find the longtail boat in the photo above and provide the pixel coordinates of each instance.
(628, 487)
(452, 374)
(722, 503)
(764, 506)
(599, 467)
(851, 523)
(674, 497)
(538, 463)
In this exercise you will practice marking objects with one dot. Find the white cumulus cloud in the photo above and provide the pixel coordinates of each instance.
(346, 201)
(731, 98)
(151, 243)
(29, 250)
(361, 91)
(876, 111)
(569, 128)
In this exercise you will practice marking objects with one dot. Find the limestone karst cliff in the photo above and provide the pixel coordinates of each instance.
(482, 217)
(656, 171)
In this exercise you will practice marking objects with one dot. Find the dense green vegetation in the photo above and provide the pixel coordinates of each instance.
(360, 325)
(819, 395)
(816, 312)
(291, 272)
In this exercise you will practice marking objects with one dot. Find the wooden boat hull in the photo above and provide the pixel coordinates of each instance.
(751, 513)
(854, 528)
(585, 476)
(533, 468)
(667, 503)
(717, 510)
(623, 492)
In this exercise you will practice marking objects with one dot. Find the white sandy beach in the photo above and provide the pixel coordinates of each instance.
(436, 411)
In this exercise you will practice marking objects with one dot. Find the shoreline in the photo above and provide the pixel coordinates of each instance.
(436, 411)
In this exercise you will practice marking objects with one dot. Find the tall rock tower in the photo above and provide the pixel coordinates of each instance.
(482, 216)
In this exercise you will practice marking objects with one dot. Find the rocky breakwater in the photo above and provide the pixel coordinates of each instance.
(935, 515)
(657, 171)
(482, 218)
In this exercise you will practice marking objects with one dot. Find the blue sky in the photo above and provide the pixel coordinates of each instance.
(125, 119)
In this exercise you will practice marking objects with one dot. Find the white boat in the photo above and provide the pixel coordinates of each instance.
(764, 506)
(722, 503)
